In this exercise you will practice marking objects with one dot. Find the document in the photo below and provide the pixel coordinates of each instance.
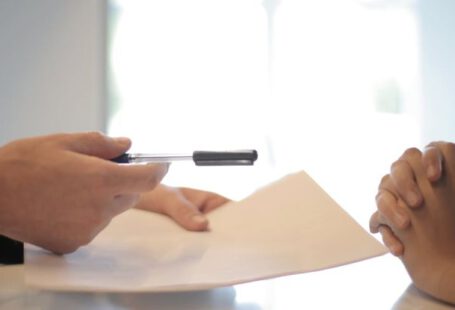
(288, 227)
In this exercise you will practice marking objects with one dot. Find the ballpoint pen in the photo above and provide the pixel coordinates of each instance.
(200, 158)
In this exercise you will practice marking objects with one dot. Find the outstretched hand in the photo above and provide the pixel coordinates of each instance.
(185, 206)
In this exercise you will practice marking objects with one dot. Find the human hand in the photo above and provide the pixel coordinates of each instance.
(59, 191)
(186, 206)
(401, 183)
(429, 239)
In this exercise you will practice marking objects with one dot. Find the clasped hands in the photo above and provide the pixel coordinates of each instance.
(416, 216)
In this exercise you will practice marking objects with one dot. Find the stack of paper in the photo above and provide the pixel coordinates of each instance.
(291, 226)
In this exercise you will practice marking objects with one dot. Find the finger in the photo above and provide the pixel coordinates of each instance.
(96, 144)
(432, 161)
(390, 212)
(375, 223)
(138, 178)
(404, 181)
(186, 214)
(204, 200)
(121, 203)
(391, 241)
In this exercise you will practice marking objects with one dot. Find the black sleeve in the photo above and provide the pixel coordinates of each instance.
(11, 251)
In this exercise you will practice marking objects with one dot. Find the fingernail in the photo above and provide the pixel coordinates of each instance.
(199, 219)
(122, 140)
(431, 171)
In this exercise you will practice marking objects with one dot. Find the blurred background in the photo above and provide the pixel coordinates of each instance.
(338, 88)
(331, 87)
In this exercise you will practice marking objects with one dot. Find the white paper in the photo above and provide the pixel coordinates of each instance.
(291, 226)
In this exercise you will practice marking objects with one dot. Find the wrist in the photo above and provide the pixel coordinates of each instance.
(445, 289)
(11, 251)
(6, 216)
(2, 203)
(437, 279)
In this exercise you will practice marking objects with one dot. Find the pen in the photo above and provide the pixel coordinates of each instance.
(200, 158)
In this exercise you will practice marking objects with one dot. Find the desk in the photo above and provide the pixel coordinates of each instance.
(379, 283)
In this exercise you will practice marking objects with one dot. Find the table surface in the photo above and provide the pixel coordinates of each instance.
(378, 283)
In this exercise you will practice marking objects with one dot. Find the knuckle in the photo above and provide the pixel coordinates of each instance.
(383, 204)
(379, 196)
(382, 207)
(398, 164)
(95, 136)
(411, 153)
(384, 181)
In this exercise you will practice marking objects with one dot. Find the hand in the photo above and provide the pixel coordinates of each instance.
(185, 205)
(401, 183)
(58, 192)
(429, 239)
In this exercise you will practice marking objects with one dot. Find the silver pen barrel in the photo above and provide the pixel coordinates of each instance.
(158, 158)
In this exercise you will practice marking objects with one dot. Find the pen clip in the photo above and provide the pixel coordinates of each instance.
(225, 158)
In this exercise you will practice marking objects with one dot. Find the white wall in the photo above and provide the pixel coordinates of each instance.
(52, 66)
(437, 20)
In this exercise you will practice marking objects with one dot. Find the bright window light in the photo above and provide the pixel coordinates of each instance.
(327, 86)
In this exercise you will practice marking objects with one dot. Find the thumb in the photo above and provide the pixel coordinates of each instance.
(433, 161)
(97, 144)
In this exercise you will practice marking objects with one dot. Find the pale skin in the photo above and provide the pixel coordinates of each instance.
(59, 191)
(186, 206)
(416, 217)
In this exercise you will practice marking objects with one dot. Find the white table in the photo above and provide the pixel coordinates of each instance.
(379, 283)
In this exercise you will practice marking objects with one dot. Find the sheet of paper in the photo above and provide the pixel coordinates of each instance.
(291, 226)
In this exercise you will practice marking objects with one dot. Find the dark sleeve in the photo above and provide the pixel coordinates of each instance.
(11, 251)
